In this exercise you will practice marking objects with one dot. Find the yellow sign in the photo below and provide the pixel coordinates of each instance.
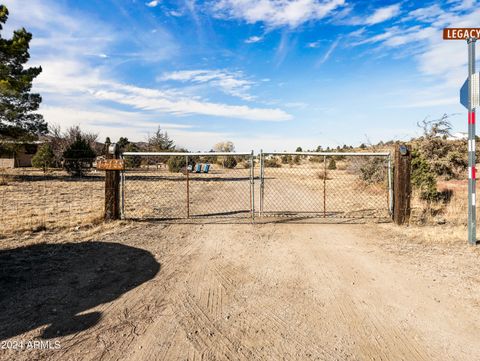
(111, 164)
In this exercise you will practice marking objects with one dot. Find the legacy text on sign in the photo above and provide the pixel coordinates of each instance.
(461, 33)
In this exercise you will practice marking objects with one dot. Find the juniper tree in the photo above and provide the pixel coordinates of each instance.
(44, 158)
(17, 103)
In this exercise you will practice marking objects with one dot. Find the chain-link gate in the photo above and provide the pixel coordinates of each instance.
(325, 184)
(301, 184)
(187, 185)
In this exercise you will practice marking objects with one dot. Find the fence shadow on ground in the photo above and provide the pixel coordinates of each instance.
(40, 177)
(51, 284)
(298, 219)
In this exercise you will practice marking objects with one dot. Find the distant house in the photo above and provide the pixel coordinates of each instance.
(15, 154)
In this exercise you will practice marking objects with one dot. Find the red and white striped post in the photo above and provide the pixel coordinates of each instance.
(472, 220)
(469, 97)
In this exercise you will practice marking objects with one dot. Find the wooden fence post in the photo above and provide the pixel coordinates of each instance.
(401, 184)
(112, 185)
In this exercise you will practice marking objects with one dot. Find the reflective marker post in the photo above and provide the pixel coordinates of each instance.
(470, 99)
(472, 220)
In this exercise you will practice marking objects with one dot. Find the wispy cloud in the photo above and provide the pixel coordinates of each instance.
(81, 78)
(379, 15)
(382, 14)
(253, 39)
(155, 100)
(152, 3)
(329, 52)
(274, 13)
(232, 83)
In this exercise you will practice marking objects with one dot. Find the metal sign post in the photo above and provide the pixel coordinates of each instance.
(469, 98)
(472, 220)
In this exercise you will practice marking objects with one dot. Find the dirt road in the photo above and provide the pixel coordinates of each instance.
(272, 292)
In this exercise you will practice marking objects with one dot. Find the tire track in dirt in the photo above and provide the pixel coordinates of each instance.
(132, 312)
(376, 339)
(261, 293)
(264, 316)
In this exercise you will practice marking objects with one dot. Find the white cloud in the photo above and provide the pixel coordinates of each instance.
(232, 83)
(376, 38)
(428, 102)
(155, 100)
(152, 3)
(464, 4)
(329, 52)
(426, 14)
(276, 13)
(79, 90)
(253, 39)
(383, 14)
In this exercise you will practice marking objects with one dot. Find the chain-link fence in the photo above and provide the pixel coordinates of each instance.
(327, 185)
(196, 185)
(201, 185)
(187, 185)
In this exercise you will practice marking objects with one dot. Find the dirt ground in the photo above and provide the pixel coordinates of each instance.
(151, 291)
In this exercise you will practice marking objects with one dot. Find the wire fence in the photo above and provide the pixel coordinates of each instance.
(180, 186)
(187, 185)
(196, 185)
(327, 185)
(32, 199)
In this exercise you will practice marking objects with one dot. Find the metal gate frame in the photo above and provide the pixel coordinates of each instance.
(251, 160)
(261, 159)
(326, 154)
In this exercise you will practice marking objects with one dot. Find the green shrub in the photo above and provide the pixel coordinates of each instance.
(44, 157)
(130, 160)
(287, 159)
(423, 178)
(271, 163)
(372, 170)
(332, 165)
(177, 163)
(230, 162)
(78, 157)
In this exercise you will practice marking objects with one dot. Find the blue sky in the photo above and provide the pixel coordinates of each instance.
(271, 74)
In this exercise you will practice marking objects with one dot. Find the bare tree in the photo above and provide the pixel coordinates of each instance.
(433, 128)
(226, 146)
(60, 141)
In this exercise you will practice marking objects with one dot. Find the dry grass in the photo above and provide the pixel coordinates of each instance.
(33, 201)
(452, 212)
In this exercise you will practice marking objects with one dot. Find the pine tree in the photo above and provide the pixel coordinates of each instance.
(17, 103)
(78, 156)
(160, 141)
(44, 157)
